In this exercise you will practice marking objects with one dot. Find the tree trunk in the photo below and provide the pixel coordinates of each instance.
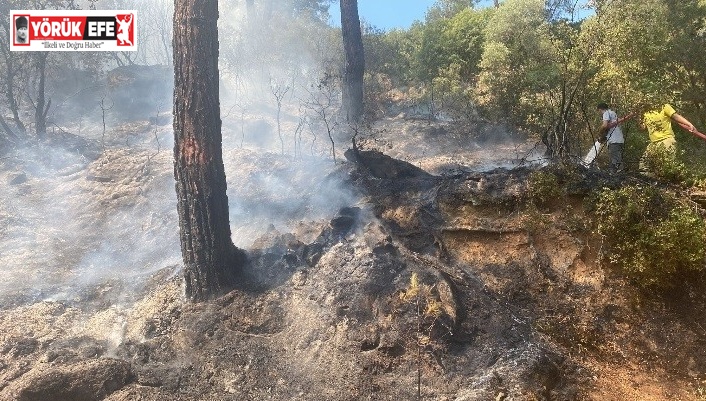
(354, 59)
(10, 73)
(41, 108)
(211, 261)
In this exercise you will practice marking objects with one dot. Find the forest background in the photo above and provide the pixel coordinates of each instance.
(538, 66)
(530, 66)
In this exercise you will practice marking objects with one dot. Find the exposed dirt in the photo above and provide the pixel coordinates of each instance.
(423, 276)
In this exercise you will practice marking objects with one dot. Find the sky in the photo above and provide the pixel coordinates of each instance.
(390, 14)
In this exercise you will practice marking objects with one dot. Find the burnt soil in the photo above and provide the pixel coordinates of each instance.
(439, 281)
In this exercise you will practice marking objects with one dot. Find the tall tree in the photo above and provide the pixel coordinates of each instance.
(354, 61)
(649, 47)
(535, 70)
(211, 261)
(516, 59)
(10, 72)
(447, 8)
(41, 105)
(27, 75)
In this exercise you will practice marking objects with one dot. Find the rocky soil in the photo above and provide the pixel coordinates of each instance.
(413, 268)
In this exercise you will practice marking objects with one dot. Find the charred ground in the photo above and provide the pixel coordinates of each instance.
(438, 278)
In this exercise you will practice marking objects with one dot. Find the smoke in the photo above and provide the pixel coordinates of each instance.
(89, 214)
(277, 154)
(266, 189)
(36, 221)
(70, 224)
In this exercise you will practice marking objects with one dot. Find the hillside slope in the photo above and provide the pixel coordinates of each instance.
(423, 276)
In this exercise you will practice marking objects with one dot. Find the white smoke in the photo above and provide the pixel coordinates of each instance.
(90, 215)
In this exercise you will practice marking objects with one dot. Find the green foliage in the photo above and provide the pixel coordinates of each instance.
(665, 164)
(422, 52)
(463, 39)
(635, 142)
(447, 9)
(389, 54)
(454, 41)
(533, 72)
(639, 31)
(647, 53)
(441, 56)
(543, 187)
(650, 235)
(452, 94)
(516, 61)
(533, 221)
(527, 64)
(691, 152)
(428, 57)
(574, 222)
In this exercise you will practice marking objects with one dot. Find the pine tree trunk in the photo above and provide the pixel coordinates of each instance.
(355, 61)
(211, 261)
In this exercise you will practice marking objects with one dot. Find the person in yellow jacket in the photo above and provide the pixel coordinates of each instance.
(658, 123)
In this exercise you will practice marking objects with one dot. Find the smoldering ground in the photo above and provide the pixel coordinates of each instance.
(90, 224)
(104, 210)
(73, 223)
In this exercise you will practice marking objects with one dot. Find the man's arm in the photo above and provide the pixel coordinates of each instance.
(604, 127)
(603, 131)
(683, 122)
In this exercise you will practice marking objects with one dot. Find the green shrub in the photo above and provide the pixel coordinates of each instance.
(635, 144)
(691, 152)
(650, 235)
(543, 187)
(533, 221)
(666, 165)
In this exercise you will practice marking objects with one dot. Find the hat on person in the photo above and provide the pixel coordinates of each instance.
(21, 22)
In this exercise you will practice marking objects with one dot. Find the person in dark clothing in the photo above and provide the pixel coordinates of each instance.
(21, 30)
